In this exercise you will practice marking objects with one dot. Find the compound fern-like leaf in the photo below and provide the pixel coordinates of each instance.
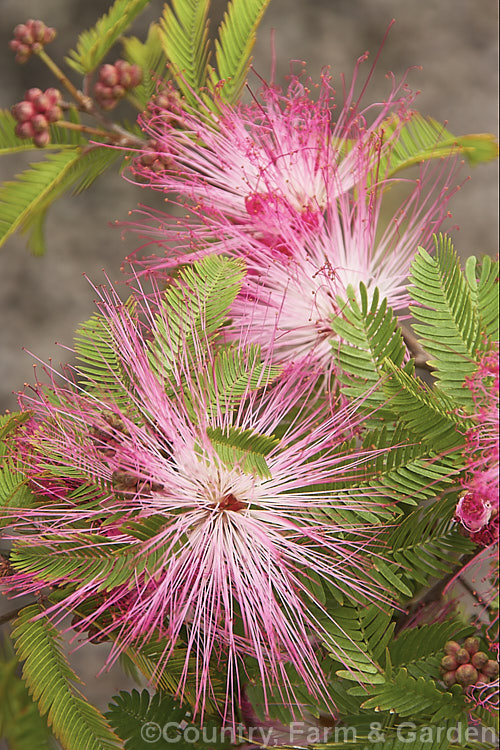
(50, 680)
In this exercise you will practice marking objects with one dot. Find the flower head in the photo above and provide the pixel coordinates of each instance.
(284, 157)
(187, 495)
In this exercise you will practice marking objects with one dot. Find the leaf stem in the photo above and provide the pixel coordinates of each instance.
(84, 101)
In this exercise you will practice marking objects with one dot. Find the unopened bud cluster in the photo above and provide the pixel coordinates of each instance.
(115, 81)
(466, 665)
(30, 38)
(35, 114)
(154, 158)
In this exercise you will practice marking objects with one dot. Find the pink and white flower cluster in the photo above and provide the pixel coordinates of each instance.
(296, 185)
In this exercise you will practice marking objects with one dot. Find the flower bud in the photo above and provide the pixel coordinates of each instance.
(108, 75)
(24, 130)
(491, 669)
(30, 38)
(472, 645)
(466, 675)
(41, 102)
(41, 139)
(449, 678)
(479, 659)
(462, 656)
(39, 123)
(23, 111)
(54, 114)
(449, 663)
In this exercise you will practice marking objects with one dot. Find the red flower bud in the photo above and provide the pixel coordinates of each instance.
(32, 94)
(108, 74)
(42, 103)
(472, 645)
(451, 647)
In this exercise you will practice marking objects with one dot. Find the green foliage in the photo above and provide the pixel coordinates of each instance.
(235, 43)
(408, 696)
(423, 138)
(140, 717)
(75, 723)
(429, 415)
(357, 638)
(93, 44)
(452, 329)
(14, 491)
(370, 335)
(24, 202)
(20, 723)
(416, 645)
(98, 360)
(243, 448)
(194, 309)
(427, 544)
(88, 559)
(184, 36)
(150, 57)
(408, 472)
(483, 282)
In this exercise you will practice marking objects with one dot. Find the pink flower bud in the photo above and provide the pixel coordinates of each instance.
(39, 123)
(38, 29)
(32, 94)
(53, 114)
(449, 663)
(451, 647)
(54, 95)
(491, 668)
(42, 103)
(118, 91)
(24, 129)
(473, 511)
(108, 75)
(22, 33)
(41, 139)
(472, 645)
(23, 111)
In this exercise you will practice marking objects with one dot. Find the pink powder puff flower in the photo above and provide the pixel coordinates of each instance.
(284, 157)
(478, 508)
(136, 469)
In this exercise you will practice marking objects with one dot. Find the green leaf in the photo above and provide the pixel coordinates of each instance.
(427, 544)
(99, 361)
(150, 57)
(235, 373)
(21, 725)
(93, 44)
(129, 713)
(184, 36)
(423, 138)
(370, 335)
(483, 281)
(10, 422)
(195, 307)
(407, 471)
(87, 558)
(246, 449)
(409, 697)
(24, 202)
(450, 322)
(233, 48)
(428, 414)
(75, 723)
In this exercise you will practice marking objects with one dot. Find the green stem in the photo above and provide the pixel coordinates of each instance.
(84, 101)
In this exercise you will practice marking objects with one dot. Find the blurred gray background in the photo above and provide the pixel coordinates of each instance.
(43, 299)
